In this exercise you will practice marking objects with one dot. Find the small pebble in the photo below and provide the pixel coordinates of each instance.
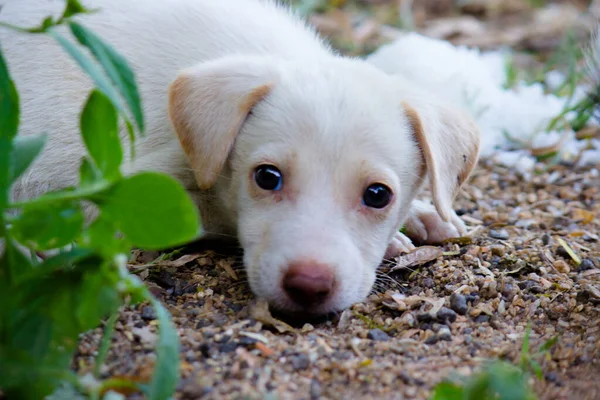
(586, 264)
(428, 283)
(148, 313)
(300, 361)
(501, 234)
(202, 323)
(424, 317)
(228, 347)
(546, 239)
(481, 318)
(446, 315)
(458, 303)
(315, 389)
(378, 335)
(444, 333)
(432, 339)
(562, 266)
(498, 250)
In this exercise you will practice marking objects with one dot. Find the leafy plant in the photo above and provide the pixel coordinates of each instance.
(48, 303)
(498, 380)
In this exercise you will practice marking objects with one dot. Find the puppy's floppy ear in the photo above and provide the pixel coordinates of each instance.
(208, 105)
(449, 142)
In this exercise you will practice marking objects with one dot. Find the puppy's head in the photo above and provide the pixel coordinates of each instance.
(318, 164)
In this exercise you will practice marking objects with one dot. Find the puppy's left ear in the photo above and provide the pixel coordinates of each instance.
(208, 105)
(449, 142)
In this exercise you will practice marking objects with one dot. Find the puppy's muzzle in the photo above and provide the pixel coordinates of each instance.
(309, 284)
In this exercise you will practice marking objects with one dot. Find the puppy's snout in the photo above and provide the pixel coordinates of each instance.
(308, 284)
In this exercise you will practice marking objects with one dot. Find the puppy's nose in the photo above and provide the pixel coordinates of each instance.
(308, 284)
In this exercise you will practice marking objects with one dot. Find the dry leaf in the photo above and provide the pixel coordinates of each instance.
(227, 267)
(180, 262)
(409, 301)
(259, 310)
(266, 351)
(584, 216)
(418, 256)
(255, 336)
(570, 251)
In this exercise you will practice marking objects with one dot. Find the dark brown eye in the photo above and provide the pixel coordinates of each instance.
(268, 177)
(377, 196)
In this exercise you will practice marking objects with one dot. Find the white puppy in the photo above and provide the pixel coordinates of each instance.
(311, 159)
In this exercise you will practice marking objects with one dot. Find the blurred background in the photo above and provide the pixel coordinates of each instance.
(535, 29)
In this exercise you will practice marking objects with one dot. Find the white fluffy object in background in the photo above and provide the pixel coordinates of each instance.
(509, 119)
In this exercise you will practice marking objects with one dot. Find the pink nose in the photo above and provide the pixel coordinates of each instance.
(308, 283)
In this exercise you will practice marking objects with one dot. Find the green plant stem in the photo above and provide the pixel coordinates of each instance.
(105, 344)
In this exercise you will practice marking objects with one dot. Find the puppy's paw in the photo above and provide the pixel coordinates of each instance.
(399, 244)
(425, 226)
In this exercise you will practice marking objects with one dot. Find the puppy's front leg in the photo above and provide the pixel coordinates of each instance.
(425, 226)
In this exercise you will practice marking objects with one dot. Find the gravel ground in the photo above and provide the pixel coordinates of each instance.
(423, 322)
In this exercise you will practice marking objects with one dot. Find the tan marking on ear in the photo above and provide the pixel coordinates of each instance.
(415, 122)
(192, 119)
(254, 97)
(177, 94)
(449, 144)
(417, 127)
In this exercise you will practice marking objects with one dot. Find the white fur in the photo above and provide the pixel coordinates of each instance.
(249, 83)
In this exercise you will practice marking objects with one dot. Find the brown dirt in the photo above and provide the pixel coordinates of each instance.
(512, 270)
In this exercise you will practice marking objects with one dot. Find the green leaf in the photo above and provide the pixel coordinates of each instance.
(25, 150)
(99, 296)
(14, 265)
(525, 347)
(166, 371)
(116, 68)
(9, 102)
(88, 173)
(547, 345)
(447, 391)
(537, 369)
(508, 382)
(89, 67)
(100, 131)
(73, 7)
(64, 260)
(45, 228)
(5, 183)
(152, 210)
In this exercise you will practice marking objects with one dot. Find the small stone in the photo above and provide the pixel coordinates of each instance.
(446, 315)
(560, 251)
(432, 339)
(300, 361)
(458, 303)
(378, 335)
(315, 389)
(500, 234)
(202, 323)
(228, 347)
(498, 250)
(148, 313)
(424, 317)
(481, 318)
(444, 334)
(562, 266)
(546, 239)
(586, 264)
(247, 341)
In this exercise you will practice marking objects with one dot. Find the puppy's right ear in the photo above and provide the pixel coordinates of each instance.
(208, 105)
